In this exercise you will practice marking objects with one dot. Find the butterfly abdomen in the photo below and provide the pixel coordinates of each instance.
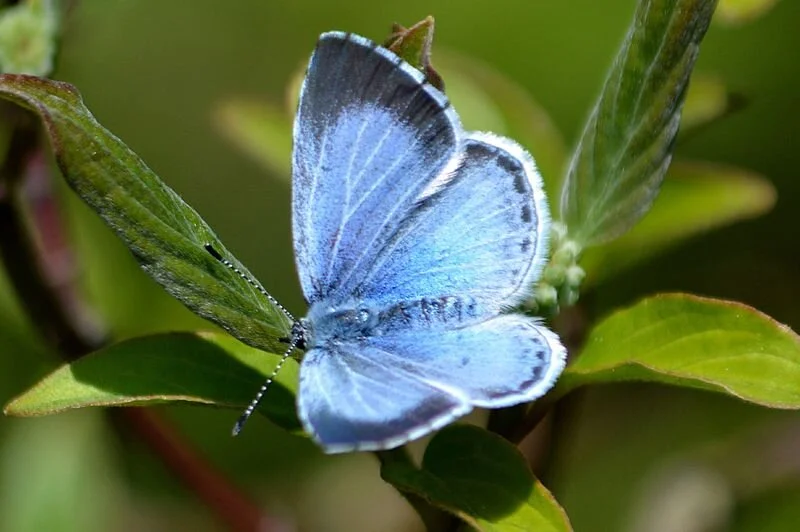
(430, 311)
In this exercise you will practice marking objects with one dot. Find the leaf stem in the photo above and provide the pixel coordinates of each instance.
(37, 294)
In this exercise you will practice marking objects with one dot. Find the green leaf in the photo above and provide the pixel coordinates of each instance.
(626, 146)
(260, 129)
(736, 12)
(694, 342)
(482, 479)
(205, 368)
(28, 34)
(696, 197)
(164, 233)
(414, 46)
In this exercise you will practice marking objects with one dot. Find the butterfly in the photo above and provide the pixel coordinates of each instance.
(413, 240)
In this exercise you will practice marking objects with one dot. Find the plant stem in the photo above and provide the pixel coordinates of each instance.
(20, 255)
(235, 510)
(561, 424)
(47, 311)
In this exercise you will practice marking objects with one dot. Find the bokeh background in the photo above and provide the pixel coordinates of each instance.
(627, 457)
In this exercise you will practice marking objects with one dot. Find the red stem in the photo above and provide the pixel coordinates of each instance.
(236, 511)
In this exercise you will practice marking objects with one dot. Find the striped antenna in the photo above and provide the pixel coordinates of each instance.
(296, 337)
(214, 253)
(237, 428)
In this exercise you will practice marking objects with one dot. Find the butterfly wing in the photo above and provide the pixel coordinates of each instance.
(349, 400)
(370, 134)
(480, 232)
(383, 391)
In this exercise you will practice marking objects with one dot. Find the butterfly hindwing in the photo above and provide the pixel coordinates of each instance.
(385, 390)
(480, 232)
(350, 399)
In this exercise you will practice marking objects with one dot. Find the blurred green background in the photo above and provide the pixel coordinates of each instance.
(626, 457)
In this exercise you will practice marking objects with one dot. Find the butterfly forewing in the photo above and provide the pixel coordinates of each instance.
(370, 134)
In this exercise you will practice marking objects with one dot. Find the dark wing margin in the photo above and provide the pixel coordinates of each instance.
(370, 135)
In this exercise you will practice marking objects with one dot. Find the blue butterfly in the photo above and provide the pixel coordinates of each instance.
(412, 239)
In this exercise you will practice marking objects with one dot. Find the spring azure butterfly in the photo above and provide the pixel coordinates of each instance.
(412, 239)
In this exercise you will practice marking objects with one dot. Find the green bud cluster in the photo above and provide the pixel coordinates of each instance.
(28, 32)
(562, 277)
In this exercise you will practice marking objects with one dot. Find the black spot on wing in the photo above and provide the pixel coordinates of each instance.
(538, 370)
(509, 164)
(527, 213)
(521, 184)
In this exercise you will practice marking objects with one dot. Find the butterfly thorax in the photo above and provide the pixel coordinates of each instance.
(326, 323)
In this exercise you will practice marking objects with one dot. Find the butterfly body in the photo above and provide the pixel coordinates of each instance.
(413, 239)
(325, 324)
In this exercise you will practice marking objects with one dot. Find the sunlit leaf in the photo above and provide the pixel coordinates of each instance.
(481, 478)
(696, 197)
(734, 12)
(694, 342)
(205, 368)
(627, 143)
(165, 235)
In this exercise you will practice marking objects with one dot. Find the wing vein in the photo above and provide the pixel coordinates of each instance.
(390, 215)
(357, 179)
(389, 248)
(347, 196)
